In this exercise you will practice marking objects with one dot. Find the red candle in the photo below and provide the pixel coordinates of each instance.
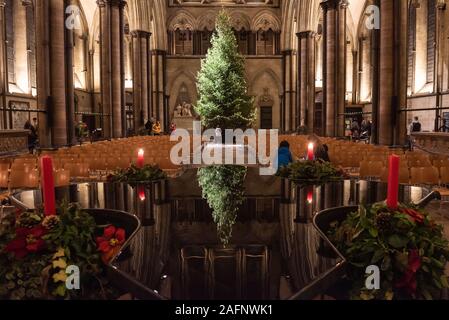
(393, 182)
(311, 152)
(48, 186)
(140, 158)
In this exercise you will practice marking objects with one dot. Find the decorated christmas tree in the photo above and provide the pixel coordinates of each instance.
(224, 101)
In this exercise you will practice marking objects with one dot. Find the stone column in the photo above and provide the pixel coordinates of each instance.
(439, 61)
(70, 86)
(20, 47)
(334, 73)
(3, 65)
(105, 66)
(341, 66)
(388, 67)
(116, 70)
(291, 113)
(402, 65)
(141, 77)
(41, 12)
(158, 83)
(58, 70)
(306, 78)
(112, 80)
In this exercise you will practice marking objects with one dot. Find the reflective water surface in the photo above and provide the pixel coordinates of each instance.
(275, 249)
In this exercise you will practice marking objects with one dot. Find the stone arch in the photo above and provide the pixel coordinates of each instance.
(289, 23)
(263, 80)
(206, 21)
(182, 20)
(272, 74)
(240, 21)
(180, 79)
(266, 20)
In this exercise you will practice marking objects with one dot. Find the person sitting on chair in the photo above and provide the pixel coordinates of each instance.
(157, 128)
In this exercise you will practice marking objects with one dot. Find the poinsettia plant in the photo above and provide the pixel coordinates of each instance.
(405, 243)
(36, 252)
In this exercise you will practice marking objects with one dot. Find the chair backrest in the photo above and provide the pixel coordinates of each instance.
(444, 172)
(62, 178)
(416, 175)
(4, 178)
(430, 175)
(23, 179)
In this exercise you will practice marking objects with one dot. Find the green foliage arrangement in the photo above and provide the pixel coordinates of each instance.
(305, 172)
(409, 248)
(36, 250)
(224, 191)
(133, 174)
(224, 101)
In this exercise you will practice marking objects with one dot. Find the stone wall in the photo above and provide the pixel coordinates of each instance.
(13, 141)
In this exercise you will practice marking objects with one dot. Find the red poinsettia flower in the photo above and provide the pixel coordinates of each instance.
(27, 241)
(408, 282)
(110, 243)
(415, 215)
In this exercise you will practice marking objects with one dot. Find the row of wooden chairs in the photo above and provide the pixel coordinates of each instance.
(414, 175)
(20, 179)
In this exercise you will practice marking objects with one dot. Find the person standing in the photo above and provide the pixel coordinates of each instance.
(355, 129)
(32, 136)
(414, 127)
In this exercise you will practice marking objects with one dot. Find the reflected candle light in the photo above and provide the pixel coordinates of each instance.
(48, 186)
(393, 182)
(141, 193)
(310, 197)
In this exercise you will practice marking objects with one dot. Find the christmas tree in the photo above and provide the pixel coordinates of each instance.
(224, 101)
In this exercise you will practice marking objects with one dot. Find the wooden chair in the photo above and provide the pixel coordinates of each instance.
(77, 170)
(444, 173)
(430, 175)
(4, 178)
(23, 179)
(62, 178)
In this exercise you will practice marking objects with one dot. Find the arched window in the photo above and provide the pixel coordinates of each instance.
(127, 57)
(206, 37)
(183, 42)
(80, 56)
(243, 38)
(21, 46)
(421, 50)
(265, 42)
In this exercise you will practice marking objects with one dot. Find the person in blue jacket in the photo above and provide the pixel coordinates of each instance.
(284, 155)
